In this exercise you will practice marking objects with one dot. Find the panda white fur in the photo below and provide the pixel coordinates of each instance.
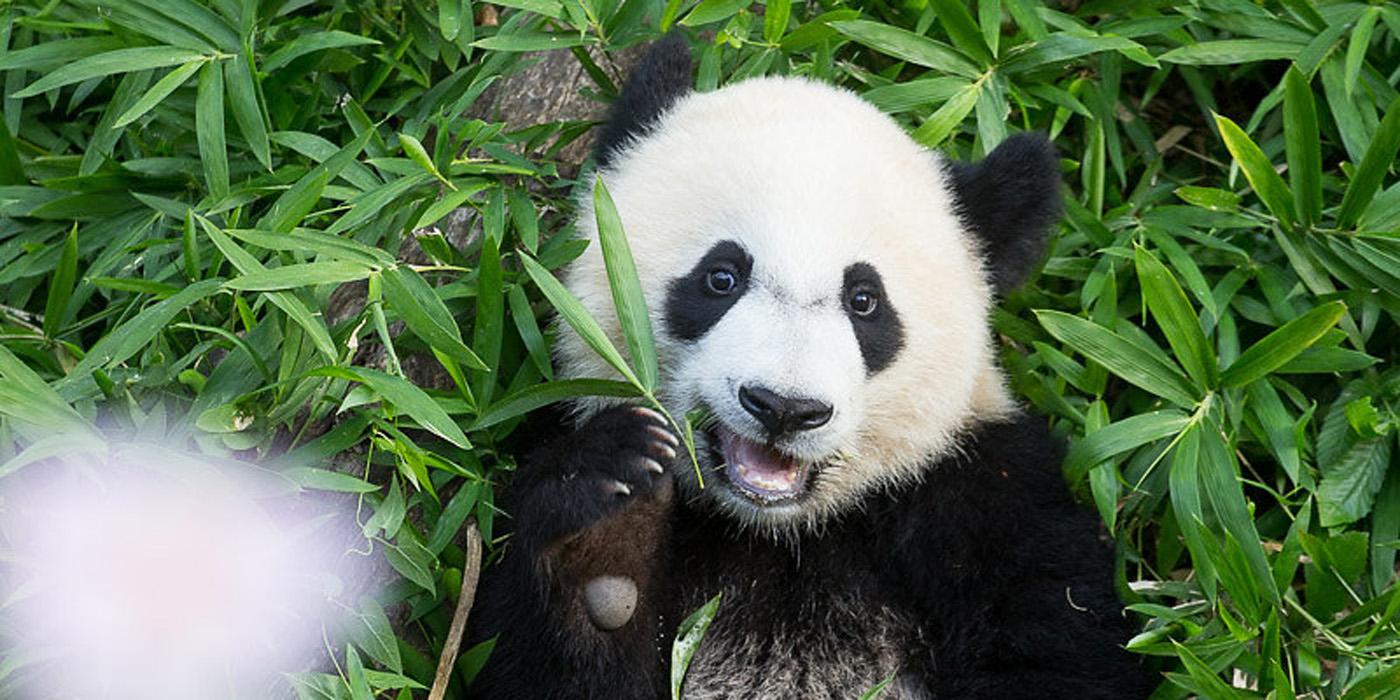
(875, 505)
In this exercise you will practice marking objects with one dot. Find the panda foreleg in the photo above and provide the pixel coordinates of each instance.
(577, 593)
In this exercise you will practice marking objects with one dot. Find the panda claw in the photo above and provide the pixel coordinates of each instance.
(645, 412)
(653, 466)
(618, 488)
(663, 435)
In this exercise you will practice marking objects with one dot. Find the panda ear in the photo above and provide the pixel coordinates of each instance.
(1010, 201)
(660, 79)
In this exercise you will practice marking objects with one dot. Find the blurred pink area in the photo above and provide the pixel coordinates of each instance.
(145, 573)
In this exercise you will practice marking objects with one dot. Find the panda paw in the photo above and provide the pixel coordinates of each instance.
(619, 457)
(623, 452)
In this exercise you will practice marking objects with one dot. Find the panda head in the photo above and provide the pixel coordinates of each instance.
(819, 283)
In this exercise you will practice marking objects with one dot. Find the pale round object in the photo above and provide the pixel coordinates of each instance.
(610, 601)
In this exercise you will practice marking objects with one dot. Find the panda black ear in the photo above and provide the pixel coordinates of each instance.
(661, 78)
(1010, 200)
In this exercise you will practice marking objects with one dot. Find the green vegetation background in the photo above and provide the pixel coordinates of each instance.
(184, 184)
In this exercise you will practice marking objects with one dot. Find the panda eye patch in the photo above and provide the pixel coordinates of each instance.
(698, 299)
(722, 281)
(873, 316)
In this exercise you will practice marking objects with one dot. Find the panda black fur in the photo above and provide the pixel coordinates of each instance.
(904, 520)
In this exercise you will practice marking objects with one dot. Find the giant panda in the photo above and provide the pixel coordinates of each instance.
(875, 506)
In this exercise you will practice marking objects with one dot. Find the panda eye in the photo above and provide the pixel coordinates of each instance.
(722, 281)
(862, 301)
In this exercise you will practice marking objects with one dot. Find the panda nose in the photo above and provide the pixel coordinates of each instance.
(782, 415)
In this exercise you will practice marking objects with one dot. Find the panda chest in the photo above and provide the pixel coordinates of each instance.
(784, 639)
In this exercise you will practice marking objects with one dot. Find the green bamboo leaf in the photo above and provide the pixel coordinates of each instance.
(1282, 345)
(1185, 490)
(710, 11)
(1120, 356)
(450, 18)
(413, 148)
(450, 200)
(488, 328)
(326, 480)
(162, 89)
(989, 20)
(1357, 46)
(11, 170)
(1210, 683)
(65, 275)
(1211, 198)
(1258, 170)
(25, 396)
(962, 29)
(1230, 52)
(908, 46)
(1116, 438)
(427, 317)
(529, 330)
(688, 637)
(577, 317)
(209, 128)
(296, 203)
(406, 397)
(127, 339)
(58, 52)
(197, 17)
(626, 287)
(1178, 321)
(1063, 47)
(942, 122)
(1379, 159)
(1274, 420)
(1220, 478)
(310, 43)
(526, 400)
(247, 106)
(775, 19)
(286, 301)
(526, 41)
(109, 63)
(301, 275)
(312, 241)
(1303, 145)
(524, 217)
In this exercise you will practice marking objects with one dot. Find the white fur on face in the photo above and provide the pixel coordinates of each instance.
(809, 179)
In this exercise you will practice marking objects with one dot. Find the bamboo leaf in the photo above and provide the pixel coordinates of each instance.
(1304, 145)
(65, 275)
(162, 89)
(1277, 348)
(247, 106)
(1379, 159)
(209, 128)
(1258, 170)
(1178, 320)
(626, 287)
(301, 275)
(109, 63)
(423, 311)
(1120, 356)
(908, 46)
(577, 317)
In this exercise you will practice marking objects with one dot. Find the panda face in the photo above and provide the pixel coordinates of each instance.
(814, 293)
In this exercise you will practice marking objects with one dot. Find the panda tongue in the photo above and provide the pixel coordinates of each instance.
(760, 470)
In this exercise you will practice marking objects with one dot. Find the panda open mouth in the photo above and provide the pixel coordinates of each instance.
(760, 472)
